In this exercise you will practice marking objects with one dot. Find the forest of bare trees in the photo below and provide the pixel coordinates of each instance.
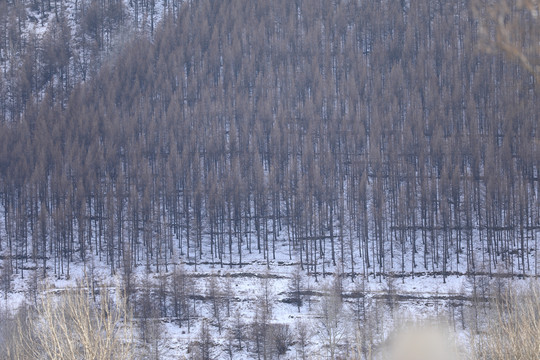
(370, 137)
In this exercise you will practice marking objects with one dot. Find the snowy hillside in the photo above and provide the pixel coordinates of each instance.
(265, 179)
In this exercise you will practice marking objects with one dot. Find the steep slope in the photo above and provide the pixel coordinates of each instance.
(350, 133)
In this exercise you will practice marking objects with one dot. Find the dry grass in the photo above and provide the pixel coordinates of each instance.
(513, 329)
(71, 325)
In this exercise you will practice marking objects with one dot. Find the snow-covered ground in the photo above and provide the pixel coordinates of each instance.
(373, 304)
(388, 302)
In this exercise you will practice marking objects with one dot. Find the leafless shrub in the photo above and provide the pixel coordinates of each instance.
(332, 326)
(282, 337)
(302, 338)
(513, 329)
(71, 326)
(205, 342)
(9, 342)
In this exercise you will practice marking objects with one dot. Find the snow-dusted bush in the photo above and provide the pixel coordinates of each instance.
(74, 324)
(513, 329)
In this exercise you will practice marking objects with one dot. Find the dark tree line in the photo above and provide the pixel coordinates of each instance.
(369, 136)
